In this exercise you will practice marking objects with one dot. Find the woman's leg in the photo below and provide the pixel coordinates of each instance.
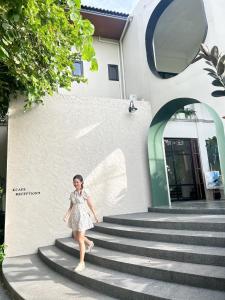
(74, 235)
(87, 241)
(80, 238)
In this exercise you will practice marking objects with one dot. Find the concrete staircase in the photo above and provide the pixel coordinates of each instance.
(161, 254)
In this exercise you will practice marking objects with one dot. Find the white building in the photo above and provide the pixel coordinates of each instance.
(90, 131)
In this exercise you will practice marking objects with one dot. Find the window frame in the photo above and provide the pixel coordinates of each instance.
(110, 77)
(81, 68)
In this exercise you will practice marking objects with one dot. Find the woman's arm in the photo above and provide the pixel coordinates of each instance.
(71, 205)
(68, 211)
(91, 206)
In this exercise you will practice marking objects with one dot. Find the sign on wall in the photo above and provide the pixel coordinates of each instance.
(213, 180)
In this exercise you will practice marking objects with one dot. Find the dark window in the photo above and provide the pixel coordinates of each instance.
(113, 72)
(78, 68)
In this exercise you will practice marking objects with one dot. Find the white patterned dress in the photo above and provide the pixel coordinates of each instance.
(79, 219)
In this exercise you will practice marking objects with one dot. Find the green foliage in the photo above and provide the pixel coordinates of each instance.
(2, 252)
(216, 61)
(188, 112)
(39, 42)
(213, 154)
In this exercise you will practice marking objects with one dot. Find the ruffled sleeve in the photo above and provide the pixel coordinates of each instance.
(85, 194)
(70, 198)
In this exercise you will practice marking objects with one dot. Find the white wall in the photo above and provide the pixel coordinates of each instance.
(48, 145)
(107, 52)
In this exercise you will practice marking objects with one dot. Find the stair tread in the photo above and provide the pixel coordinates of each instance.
(162, 264)
(131, 228)
(199, 204)
(163, 217)
(158, 245)
(134, 283)
(32, 279)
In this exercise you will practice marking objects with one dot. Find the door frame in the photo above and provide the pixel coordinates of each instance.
(157, 167)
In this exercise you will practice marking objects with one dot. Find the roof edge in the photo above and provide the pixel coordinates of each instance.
(105, 12)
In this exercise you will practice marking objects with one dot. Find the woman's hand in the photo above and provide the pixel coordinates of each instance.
(66, 215)
(96, 220)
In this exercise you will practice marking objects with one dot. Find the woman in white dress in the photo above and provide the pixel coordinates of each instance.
(78, 218)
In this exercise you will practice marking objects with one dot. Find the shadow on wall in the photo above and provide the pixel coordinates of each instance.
(108, 181)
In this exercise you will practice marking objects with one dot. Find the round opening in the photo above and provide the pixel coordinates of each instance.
(174, 33)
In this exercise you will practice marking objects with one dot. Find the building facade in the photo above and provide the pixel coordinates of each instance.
(125, 158)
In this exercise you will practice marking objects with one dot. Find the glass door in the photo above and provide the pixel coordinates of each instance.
(184, 170)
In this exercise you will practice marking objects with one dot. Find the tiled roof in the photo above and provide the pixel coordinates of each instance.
(104, 11)
(112, 6)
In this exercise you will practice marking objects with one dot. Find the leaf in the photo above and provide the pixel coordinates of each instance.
(16, 60)
(213, 75)
(221, 66)
(219, 93)
(3, 52)
(215, 52)
(210, 70)
(70, 3)
(5, 25)
(5, 41)
(73, 16)
(16, 18)
(94, 65)
(217, 82)
(197, 58)
(205, 56)
(214, 60)
(204, 49)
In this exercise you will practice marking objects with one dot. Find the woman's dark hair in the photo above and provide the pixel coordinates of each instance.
(79, 177)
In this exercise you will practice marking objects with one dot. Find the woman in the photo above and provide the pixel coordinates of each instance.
(79, 219)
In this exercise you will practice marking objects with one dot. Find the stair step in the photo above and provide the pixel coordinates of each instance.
(211, 207)
(170, 251)
(184, 273)
(178, 210)
(121, 285)
(208, 238)
(28, 277)
(168, 221)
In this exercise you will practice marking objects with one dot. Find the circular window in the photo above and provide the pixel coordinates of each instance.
(174, 33)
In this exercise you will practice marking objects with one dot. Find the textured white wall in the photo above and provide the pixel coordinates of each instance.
(48, 145)
(107, 52)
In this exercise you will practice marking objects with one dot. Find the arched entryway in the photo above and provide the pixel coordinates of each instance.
(159, 184)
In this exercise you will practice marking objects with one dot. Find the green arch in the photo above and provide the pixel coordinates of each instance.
(158, 177)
